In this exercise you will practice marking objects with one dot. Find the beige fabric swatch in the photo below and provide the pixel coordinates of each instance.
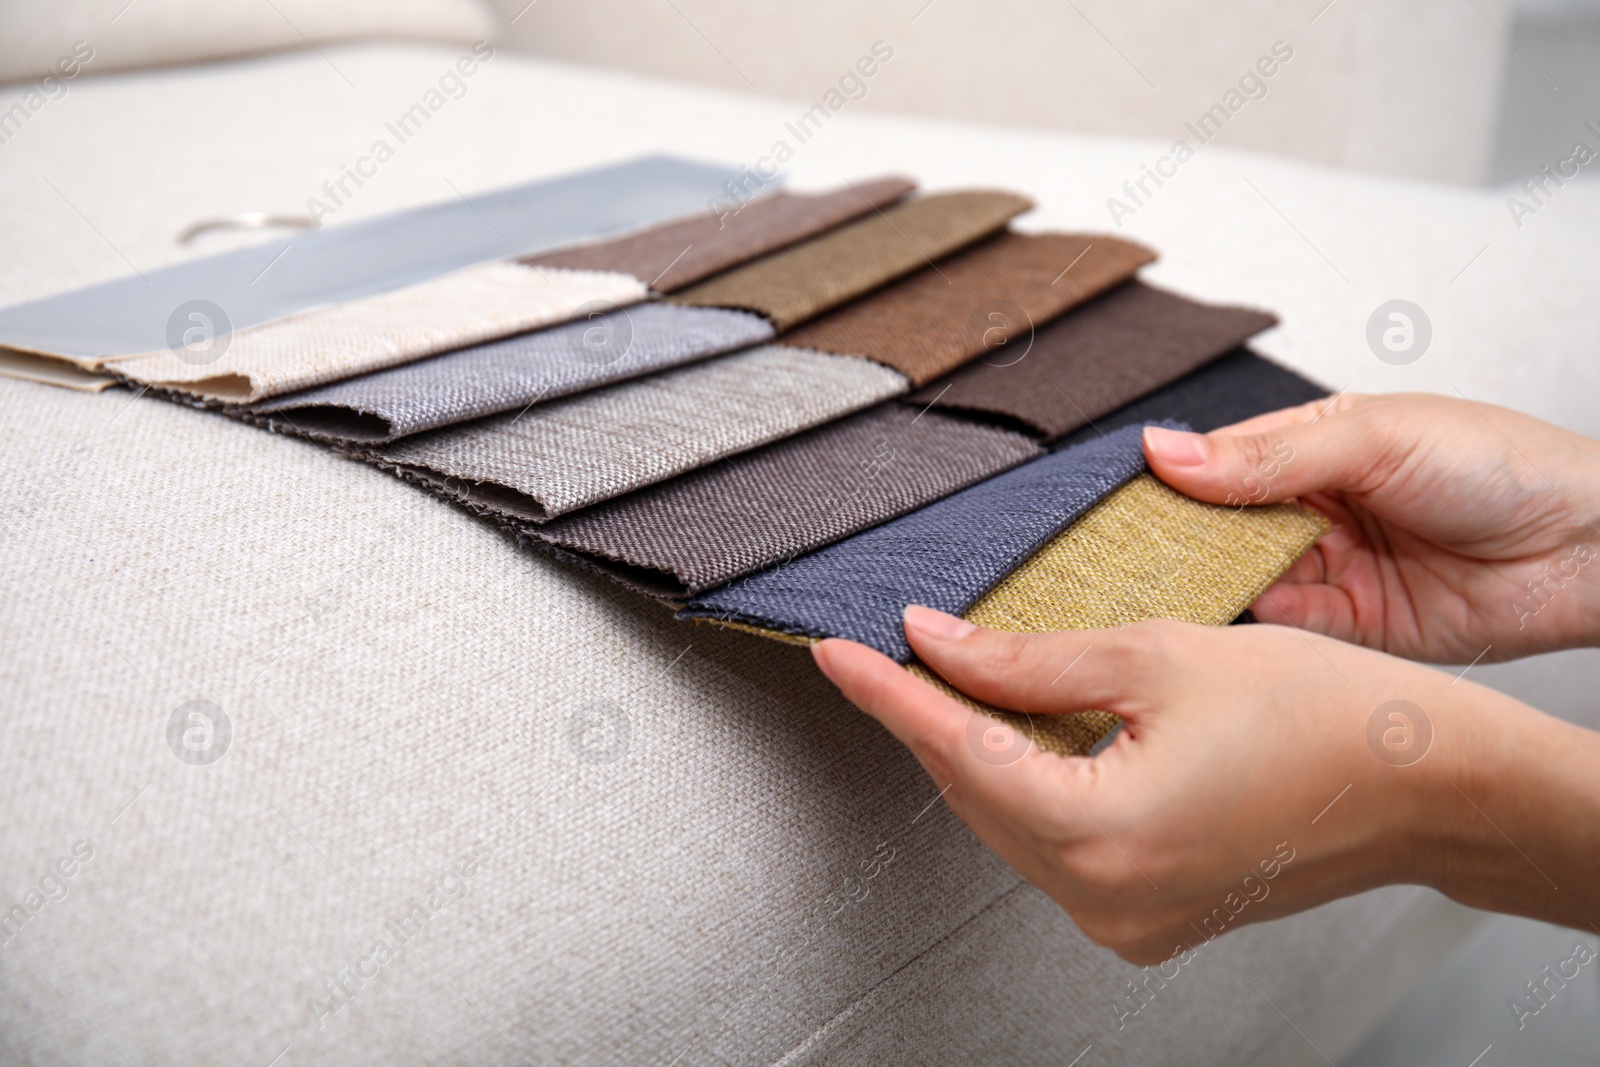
(29, 367)
(1145, 552)
(315, 347)
(556, 457)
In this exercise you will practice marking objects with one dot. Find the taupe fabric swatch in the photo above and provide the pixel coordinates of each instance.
(798, 283)
(324, 345)
(988, 300)
(1096, 358)
(558, 457)
(511, 374)
(754, 510)
(675, 254)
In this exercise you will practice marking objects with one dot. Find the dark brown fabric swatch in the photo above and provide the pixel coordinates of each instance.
(755, 510)
(679, 253)
(986, 300)
(798, 283)
(1096, 358)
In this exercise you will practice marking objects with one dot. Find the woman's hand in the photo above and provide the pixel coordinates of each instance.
(1459, 527)
(1260, 771)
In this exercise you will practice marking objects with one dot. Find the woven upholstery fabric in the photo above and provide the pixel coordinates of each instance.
(798, 283)
(510, 374)
(314, 347)
(1145, 552)
(1236, 387)
(1097, 358)
(990, 298)
(679, 253)
(751, 511)
(558, 457)
(944, 556)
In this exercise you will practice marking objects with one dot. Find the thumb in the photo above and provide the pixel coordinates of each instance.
(1301, 451)
(1039, 673)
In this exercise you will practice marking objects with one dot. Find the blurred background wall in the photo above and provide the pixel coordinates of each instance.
(1552, 86)
(1463, 91)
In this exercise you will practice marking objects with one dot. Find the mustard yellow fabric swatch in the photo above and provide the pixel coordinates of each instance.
(1144, 552)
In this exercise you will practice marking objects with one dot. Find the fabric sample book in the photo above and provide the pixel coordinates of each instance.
(944, 556)
(315, 347)
(923, 325)
(1236, 387)
(1096, 358)
(557, 457)
(988, 300)
(793, 285)
(1145, 552)
(669, 256)
(751, 511)
(510, 374)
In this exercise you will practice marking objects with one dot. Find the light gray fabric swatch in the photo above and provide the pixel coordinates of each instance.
(510, 374)
(558, 457)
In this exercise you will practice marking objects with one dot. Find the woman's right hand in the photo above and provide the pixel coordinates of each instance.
(1460, 529)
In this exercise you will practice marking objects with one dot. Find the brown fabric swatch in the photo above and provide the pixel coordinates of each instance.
(798, 283)
(684, 251)
(754, 510)
(1096, 358)
(989, 299)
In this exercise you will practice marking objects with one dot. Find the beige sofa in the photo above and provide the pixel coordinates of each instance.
(1399, 88)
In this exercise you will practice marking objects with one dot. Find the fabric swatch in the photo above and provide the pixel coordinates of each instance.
(1145, 552)
(327, 344)
(511, 374)
(793, 285)
(944, 556)
(557, 457)
(1236, 387)
(989, 300)
(1096, 358)
(675, 254)
(751, 511)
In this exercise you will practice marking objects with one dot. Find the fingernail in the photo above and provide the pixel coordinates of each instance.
(936, 624)
(1176, 448)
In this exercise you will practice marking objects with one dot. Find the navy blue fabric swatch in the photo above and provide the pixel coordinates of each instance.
(943, 556)
(1239, 386)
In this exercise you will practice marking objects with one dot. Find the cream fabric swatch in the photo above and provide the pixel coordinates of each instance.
(1144, 552)
(478, 304)
(557, 457)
